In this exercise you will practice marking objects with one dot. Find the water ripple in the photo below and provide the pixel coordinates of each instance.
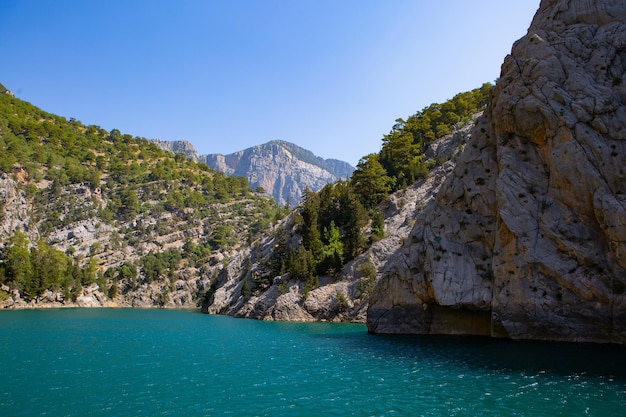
(177, 363)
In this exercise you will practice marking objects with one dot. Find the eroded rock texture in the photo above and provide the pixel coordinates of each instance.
(527, 237)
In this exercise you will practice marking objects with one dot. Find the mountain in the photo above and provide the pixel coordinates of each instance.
(96, 218)
(281, 168)
(526, 239)
(501, 212)
(179, 146)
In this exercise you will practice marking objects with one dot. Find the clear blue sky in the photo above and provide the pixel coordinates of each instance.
(328, 75)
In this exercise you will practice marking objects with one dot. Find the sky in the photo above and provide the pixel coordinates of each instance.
(331, 76)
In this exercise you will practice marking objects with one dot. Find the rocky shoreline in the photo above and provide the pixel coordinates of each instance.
(90, 297)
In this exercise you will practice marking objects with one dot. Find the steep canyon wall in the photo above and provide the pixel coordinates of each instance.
(527, 237)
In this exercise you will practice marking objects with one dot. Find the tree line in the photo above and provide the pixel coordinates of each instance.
(39, 268)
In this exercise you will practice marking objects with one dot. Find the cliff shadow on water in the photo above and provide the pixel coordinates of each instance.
(485, 354)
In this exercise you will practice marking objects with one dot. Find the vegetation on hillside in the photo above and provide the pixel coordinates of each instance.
(340, 221)
(72, 173)
(173, 213)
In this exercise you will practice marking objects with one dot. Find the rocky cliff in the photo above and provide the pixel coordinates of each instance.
(526, 238)
(281, 168)
(179, 146)
(93, 238)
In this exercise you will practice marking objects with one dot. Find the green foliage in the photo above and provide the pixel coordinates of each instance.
(331, 223)
(367, 273)
(282, 288)
(222, 237)
(311, 283)
(113, 290)
(402, 154)
(18, 264)
(195, 254)
(37, 269)
(311, 238)
(245, 288)
(370, 181)
(300, 264)
(279, 256)
(332, 251)
(129, 204)
(341, 301)
(161, 265)
(378, 226)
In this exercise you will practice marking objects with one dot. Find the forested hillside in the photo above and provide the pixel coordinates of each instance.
(85, 211)
(110, 208)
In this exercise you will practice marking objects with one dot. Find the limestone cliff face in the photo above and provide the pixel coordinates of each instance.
(527, 237)
(178, 146)
(283, 169)
(14, 211)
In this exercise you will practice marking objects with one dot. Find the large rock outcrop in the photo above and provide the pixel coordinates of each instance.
(527, 237)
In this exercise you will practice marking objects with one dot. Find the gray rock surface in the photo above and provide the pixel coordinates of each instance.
(14, 211)
(527, 237)
(179, 146)
(283, 169)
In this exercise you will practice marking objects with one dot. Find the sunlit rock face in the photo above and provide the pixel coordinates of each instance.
(282, 169)
(527, 236)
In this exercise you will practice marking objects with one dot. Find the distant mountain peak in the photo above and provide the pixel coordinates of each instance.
(282, 168)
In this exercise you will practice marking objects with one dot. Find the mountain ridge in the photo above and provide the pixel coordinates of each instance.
(281, 168)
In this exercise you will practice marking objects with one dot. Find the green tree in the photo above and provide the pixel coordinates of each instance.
(332, 251)
(129, 204)
(300, 264)
(49, 266)
(354, 239)
(113, 290)
(279, 256)
(19, 268)
(311, 238)
(370, 181)
(378, 226)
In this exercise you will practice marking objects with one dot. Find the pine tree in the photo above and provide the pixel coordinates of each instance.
(370, 181)
(19, 268)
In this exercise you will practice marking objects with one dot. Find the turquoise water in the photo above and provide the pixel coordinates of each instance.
(112, 362)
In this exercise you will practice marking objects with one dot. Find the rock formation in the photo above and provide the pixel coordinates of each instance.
(527, 237)
(179, 146)
(14, 211)
(283, 169)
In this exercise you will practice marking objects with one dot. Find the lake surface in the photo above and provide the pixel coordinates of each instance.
(117, 362)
